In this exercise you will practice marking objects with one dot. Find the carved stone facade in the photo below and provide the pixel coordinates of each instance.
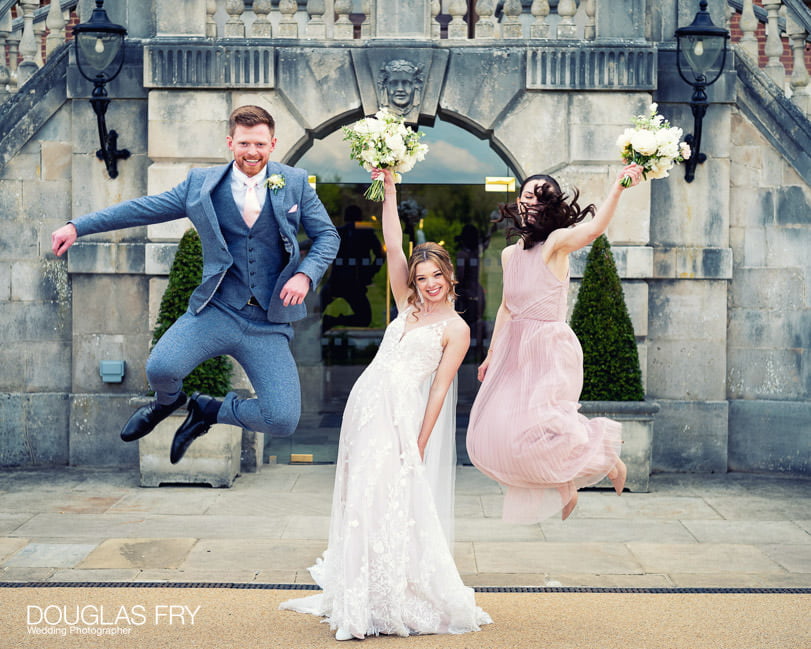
(716, 272)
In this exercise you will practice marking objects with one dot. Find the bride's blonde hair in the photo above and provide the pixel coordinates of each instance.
(435, 253)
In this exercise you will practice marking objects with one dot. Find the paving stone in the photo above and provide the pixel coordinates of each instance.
(182, 501)
(643, 506)
(318, 478)
(257, 553)
(214, 575)
(148, 526)
(307, 527)
(585, 580)
(9, 547)
(56, 500)
(26, 575)
(50, 555)
(139, 553)
(281, 504)
(721, 580)
(464, 555)
(701, 558)
(469, 507)
(506, 580)
(474, 482)
(489, 529)
(794, 558)
(273, 524)
(301, 577)
(517, 557)
(94, 575)
(750, 532)
(607, 530)
(760, 508)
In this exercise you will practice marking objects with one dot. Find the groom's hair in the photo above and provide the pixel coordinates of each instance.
(250, 116)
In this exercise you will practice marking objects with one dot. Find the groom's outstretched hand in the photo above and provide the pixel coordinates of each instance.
(63, 238)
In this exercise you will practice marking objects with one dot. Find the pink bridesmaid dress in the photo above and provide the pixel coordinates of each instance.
(525, 430)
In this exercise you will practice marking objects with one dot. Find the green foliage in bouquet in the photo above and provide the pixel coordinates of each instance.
(601, 322)
(214, 375)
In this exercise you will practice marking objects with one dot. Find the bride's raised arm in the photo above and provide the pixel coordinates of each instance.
(393, 239)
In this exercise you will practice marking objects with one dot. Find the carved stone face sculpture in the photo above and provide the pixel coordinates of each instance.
(400, 83)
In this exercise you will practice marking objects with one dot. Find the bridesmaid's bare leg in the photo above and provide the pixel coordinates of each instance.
(617, 475)
(568, 491)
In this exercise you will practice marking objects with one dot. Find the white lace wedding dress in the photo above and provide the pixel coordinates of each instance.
(388, 567)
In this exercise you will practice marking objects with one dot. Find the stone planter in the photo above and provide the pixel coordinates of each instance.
(636, 418)
(212, 459)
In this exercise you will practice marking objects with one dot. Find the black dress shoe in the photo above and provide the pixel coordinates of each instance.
(144, 420)
(202, 416)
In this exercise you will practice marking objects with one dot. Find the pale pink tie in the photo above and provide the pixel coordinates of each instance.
(250, 212)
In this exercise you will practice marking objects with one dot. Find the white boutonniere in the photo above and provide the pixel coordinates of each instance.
(275, 182)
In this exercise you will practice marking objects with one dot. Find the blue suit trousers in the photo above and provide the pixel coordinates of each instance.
(262, 348)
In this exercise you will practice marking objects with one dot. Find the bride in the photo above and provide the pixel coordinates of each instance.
(388, 567)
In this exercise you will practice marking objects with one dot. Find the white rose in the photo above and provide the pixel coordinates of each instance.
(369, 155)
(644, 142)
(669, 150)
(659, 169)
(625, 138)
(685, 151)
(397, 146)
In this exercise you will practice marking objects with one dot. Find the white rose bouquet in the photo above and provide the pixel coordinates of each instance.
(653, 144)
(384, 142)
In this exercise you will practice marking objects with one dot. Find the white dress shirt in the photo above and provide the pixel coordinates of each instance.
(238, 187)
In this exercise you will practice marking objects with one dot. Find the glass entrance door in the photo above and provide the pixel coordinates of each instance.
(353, 304)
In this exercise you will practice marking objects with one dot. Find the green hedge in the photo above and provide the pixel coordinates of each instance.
(601, 322)
(213, 376)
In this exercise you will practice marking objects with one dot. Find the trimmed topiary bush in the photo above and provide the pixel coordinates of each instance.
(214, 375)
(601, 322)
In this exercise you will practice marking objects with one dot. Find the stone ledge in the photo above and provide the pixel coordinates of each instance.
(632, 262)
(636, 409)
(686, 262)
(106, 258)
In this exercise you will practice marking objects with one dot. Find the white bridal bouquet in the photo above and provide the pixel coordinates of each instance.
(652, 144)
(384, 142)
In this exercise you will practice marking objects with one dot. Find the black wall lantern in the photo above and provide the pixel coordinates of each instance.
(100, 55)
(702, 44)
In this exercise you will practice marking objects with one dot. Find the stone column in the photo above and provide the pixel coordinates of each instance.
(611, 24)
(316, 27)
(181, 18)
(5, 73)
(409, 19)
(28, 43)
(540, 25)
(288, 27)
(55, 22)
(774, 45)
(235, 26)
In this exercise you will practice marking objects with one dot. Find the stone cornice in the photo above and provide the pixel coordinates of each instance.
(619, 66)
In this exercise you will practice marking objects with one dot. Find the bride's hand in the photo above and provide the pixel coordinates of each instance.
(386, 176)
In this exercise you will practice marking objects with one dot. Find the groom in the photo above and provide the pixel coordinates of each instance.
(247, 214)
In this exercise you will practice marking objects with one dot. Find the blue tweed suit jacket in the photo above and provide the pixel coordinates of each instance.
(295, 206)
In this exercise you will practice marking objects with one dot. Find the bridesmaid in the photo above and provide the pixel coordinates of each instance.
(525, 430)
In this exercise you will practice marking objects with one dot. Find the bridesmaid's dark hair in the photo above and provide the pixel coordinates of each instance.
(553, 211)
(435, 253)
